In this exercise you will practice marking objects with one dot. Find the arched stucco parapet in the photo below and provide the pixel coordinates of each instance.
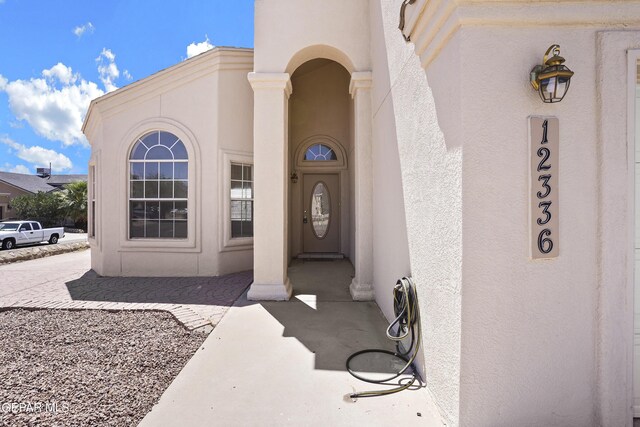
(320, 51)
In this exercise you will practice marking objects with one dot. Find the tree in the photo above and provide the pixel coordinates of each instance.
(43, 207)
(75, 203)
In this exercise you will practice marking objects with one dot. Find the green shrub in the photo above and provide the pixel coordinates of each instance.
(47, 208)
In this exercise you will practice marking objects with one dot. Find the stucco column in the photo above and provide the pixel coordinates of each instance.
(360, 89)
(271, 98)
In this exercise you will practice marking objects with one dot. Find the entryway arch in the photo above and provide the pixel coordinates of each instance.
(321, 97)
(320, 113)
(319, 51)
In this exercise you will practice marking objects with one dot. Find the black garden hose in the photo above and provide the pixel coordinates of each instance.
(407, 320)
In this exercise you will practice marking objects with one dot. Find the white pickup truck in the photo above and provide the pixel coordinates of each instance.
(17, 233)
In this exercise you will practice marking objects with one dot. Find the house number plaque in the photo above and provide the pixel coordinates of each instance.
(544, 138)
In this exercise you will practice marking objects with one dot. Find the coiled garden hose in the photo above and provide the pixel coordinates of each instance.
(407, 320)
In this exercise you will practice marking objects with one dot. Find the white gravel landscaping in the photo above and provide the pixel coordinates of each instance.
(80, 368)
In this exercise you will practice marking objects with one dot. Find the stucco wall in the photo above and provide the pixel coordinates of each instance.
(234, 133)
(431, 171)
(284, 39)
(528, 325)
(543, 342)
(187, 101)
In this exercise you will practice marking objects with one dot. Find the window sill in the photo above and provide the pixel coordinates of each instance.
(159, 244)
(237, 244)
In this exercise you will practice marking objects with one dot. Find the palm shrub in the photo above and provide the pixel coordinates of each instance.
(74, 203)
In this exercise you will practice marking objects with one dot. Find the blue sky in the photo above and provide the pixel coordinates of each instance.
(55, 56)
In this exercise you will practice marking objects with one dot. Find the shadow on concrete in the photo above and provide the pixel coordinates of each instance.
(221, 290)
(323, 317)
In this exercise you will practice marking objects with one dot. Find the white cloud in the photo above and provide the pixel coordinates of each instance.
(38, 156)
(197, 48)
(54, 105)
(127, 75)
(86, 28)
(15, 169)
(62, 73)
(20, 169)
(107, 69)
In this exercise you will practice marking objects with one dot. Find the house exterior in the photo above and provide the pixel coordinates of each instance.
(336, 137)
(13, 185)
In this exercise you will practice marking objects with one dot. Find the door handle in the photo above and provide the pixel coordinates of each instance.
(305, 220)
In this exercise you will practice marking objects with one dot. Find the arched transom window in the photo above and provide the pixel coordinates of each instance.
(320, 152)
(159, 187)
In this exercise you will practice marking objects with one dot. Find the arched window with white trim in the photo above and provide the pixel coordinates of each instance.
(158, 187)
(320, 153)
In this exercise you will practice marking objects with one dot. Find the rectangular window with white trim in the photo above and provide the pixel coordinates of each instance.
(92, 179)
(241, 200)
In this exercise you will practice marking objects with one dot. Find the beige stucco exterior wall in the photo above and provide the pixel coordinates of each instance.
(542, 342)
(430, 169)
(234, 134)
(539, 316)
(289, 33)
(187, 101)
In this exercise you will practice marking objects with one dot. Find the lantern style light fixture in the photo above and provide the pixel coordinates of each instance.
(294, 177)
(552, 78)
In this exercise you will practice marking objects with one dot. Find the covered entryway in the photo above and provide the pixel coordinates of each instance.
(312, 152)
(321, 206)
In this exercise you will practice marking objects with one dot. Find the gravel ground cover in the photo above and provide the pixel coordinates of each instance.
(87, 368)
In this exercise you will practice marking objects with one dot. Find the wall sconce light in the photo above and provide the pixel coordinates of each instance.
(551, 79)
(294, 177)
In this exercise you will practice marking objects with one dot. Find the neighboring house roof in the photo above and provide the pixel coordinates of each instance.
(60, 180)
(29, 183)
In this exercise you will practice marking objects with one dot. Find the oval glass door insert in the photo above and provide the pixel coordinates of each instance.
(320, 210)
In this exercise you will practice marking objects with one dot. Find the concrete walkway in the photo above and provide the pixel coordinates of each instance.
(67, 282)
(283, 363)
(74, 237)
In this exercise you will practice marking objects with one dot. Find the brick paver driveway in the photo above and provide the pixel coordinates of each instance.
(67, 281)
